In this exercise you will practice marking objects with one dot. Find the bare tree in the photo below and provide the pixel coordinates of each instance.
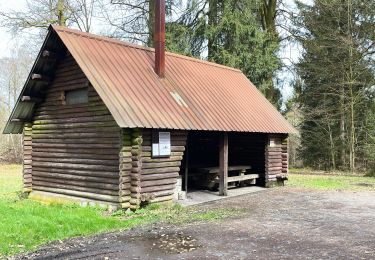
(13, 71)
(41, 13)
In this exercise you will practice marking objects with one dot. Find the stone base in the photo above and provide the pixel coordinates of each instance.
(178, 193)
(50, 198)
(277, 183)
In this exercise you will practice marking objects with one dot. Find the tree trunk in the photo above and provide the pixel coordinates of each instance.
(151, 22)
(212, 22)
(351, 80)
(342, 128)
(61, 19)
(332, 146)
(268, 16)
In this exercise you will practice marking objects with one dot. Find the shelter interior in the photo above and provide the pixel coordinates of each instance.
(201, 162)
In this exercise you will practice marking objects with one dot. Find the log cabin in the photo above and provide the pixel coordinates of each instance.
(111, 123)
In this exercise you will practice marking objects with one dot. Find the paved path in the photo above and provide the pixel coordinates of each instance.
(278, 223)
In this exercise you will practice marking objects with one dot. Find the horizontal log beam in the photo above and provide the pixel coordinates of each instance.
(156, 188)
(74, 155)
(84, 184)
(79, 194)
(38, 183)
(72, 177)
(75, 150)
(73, 146)
(88, 141)
(75, 166)
(83, 161)
(103, 174)
(162, 199)
(160, 170)
(159, 176)
(158, 182)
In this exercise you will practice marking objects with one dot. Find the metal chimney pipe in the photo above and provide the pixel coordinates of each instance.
(159, 37)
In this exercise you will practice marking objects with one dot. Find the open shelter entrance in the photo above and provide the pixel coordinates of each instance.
(216, 161)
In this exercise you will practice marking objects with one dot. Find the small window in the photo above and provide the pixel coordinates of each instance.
(77, 96)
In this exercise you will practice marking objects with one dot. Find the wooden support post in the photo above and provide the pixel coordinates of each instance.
(223, 175)
(186, 168)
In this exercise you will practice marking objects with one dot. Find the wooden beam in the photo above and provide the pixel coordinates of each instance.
(243, 177)
(223, 175)
(31, 99)
(186, 167)
(47, 54)
(40, 78)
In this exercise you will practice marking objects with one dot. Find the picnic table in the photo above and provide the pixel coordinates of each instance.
(237, 174)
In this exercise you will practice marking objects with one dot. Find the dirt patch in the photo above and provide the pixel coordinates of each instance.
(280, 223)
(172, 243)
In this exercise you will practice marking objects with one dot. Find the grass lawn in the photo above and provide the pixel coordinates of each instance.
(25, 224)
(333, 182)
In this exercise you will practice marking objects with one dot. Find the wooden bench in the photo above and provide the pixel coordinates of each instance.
(240, 170)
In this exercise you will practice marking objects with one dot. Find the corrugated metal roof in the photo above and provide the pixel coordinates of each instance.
(194, 95)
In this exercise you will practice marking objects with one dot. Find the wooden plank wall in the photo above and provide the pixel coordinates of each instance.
(276, 167)
(27, 159)
(75, 148)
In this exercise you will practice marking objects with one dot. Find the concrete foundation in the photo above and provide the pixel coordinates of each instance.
(203, 196)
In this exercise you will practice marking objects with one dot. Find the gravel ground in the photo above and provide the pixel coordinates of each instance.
(280, 223)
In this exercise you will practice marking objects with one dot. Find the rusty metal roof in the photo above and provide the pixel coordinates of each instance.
(194, 95)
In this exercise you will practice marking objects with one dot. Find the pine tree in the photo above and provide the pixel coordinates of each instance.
(336, 73)
(236, 38)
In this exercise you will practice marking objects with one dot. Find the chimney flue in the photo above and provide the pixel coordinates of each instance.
(159, 37)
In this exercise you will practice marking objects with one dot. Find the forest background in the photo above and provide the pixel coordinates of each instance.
(314, 60)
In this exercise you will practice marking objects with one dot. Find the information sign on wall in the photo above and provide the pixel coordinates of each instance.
(161, 144)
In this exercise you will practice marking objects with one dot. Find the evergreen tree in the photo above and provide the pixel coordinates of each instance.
(336, 73)
(236, 38)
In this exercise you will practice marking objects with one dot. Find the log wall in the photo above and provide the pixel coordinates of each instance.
(136, 142)
(125, 168)
(276, 159)
(75, 148)
(147, 179)
(27, 159)
(285, 157)
(159, 175)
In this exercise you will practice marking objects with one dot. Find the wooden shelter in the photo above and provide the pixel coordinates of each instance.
(100, 125)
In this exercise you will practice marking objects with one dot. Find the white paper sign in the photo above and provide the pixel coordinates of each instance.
(164, 143)
(163, 147)
(155, 149)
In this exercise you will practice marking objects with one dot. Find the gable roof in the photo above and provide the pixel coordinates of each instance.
(194, 95)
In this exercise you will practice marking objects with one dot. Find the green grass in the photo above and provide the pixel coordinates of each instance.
(26, 224)
(333, 182)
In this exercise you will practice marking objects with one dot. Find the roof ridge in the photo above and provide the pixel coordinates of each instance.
(132, 45)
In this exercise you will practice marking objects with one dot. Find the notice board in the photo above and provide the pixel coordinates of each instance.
(161, 144)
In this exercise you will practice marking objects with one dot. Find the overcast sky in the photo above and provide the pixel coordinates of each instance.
(6, 39)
